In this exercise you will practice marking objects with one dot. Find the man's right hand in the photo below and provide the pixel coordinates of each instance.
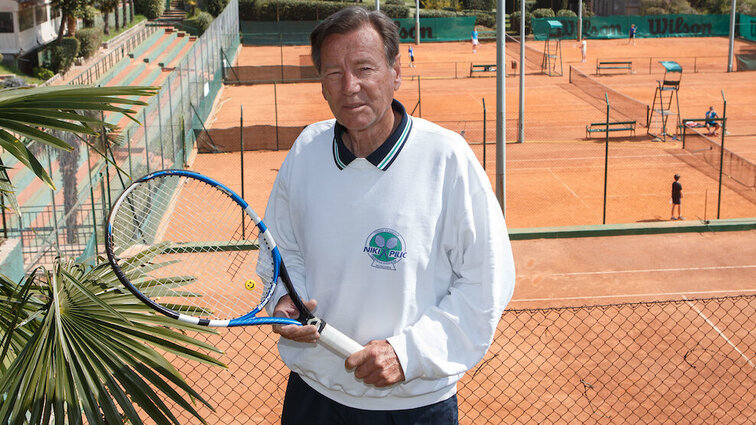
(286, 308)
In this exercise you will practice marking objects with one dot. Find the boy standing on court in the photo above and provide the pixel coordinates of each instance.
(631, 38)
(676, 198)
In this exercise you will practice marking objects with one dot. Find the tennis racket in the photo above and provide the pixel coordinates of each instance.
(192, 249)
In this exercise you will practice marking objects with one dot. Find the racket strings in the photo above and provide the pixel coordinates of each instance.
(208, 254)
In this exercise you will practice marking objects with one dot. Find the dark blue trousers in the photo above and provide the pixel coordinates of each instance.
(304, 405)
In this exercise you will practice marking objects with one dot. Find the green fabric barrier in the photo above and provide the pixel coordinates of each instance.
(649, 26)
(298, 32)
(747, 26)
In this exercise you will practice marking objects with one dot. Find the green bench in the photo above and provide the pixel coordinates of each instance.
(481, 68)
(602, 127)
(601, 65)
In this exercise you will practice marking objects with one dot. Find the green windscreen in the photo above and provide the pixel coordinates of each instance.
(298, 32)
(646, 26)
(747, 26)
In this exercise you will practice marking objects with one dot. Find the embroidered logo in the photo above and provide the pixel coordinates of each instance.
(386, 248)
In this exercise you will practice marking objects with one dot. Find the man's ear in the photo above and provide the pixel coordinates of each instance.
(398, 71)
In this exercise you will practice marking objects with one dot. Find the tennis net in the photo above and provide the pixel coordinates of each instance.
(533, 57)
(620, 103)
(708, 150)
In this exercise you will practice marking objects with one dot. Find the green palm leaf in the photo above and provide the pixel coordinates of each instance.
(25, 111)
(94, 351)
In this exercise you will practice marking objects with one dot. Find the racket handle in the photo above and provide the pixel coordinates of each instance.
(338, 342)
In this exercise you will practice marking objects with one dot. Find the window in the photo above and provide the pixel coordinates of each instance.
(6, 22)
(54, 12)
(41, 14)
(25, 19)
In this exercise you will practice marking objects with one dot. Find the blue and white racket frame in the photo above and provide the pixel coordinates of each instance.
(329, 336)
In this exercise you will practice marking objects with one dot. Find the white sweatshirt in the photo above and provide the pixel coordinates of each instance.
(413, 249)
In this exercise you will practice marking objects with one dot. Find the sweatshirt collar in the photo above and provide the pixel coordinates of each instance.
(382, 157)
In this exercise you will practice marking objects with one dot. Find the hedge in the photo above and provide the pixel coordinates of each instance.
(486, 5)
(215, 7)
(292, 10)
(151, 9)
(90, 40)
(60, 57)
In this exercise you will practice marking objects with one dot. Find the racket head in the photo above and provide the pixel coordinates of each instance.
(192, 249)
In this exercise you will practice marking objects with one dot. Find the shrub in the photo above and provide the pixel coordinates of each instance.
(543, 13)
(60, 57)
(663, 7)
(88, 15)
(90, 40)
(43, 73)
(436, 13)
(487, 5)
(215, 7)
(566, 13)
(203, 21)
(515, 20)
(482, 17)
(292, 10)
(151, 9)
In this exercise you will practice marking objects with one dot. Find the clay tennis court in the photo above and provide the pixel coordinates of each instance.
(554, 179)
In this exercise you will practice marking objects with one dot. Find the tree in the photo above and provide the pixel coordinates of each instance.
(69, 11)
(106, 7)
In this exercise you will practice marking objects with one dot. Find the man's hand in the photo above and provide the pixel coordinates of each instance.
(286, 308)
(377, 364)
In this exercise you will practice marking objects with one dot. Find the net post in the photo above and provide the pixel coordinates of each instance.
(721, 152)
(606, 156)
(484, 133)
(275, 106)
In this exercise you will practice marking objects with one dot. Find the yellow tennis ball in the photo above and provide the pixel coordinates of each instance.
(250, 284)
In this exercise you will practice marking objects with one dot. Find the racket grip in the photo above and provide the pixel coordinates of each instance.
(338, 342)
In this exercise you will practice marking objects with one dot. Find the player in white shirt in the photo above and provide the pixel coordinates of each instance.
(389, 226)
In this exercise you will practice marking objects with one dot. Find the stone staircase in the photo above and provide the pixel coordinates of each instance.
(174, 15)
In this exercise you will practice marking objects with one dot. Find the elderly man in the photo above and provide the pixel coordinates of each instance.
(390, 223)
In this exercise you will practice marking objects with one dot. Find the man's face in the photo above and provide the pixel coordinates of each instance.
(357, 80)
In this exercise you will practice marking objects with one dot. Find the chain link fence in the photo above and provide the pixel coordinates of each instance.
(69, 220)
(682, 361)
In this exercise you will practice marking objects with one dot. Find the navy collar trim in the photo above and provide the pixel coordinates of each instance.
(382, 157)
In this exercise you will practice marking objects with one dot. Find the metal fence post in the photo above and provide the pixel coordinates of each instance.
(146, 140)
(160, 135)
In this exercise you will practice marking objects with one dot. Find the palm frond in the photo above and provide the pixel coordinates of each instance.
(94, 351)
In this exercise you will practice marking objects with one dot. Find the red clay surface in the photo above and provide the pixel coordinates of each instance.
(555, 178)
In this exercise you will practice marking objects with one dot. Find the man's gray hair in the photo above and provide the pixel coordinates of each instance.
(350, 19)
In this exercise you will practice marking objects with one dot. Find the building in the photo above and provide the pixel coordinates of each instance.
(25, 25)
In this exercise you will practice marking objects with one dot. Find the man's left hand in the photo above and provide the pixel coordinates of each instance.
(377, 364)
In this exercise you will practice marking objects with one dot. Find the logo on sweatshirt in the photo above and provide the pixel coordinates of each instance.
(386, 248)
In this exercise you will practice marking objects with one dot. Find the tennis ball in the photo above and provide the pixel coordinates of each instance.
(250, 284)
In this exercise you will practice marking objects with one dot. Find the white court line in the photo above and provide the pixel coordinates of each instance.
(680, 269)
(703, 316)
(565, 185)
(660, 294)
(582, 158)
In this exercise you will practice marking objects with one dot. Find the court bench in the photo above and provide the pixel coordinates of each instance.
(481, 68)
(601, 127)
(600, 65)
